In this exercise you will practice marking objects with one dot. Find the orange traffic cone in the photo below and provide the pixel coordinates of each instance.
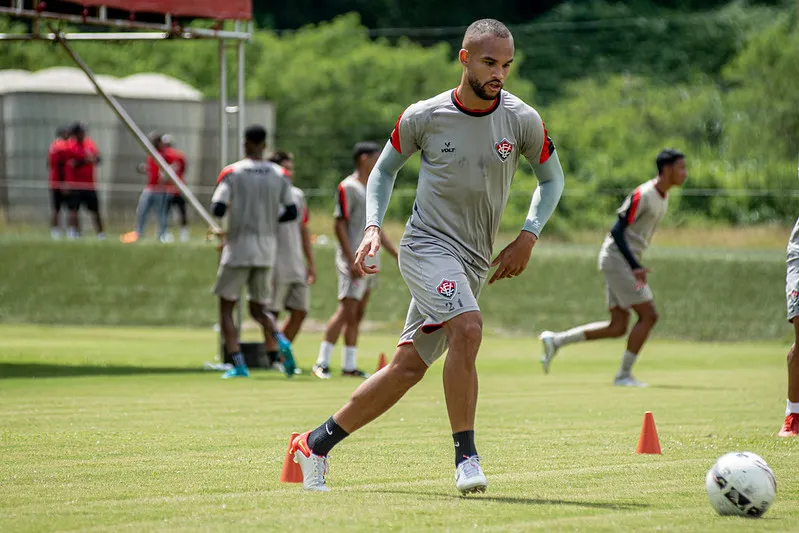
(648, 441)
(381, 362)
(291, 473)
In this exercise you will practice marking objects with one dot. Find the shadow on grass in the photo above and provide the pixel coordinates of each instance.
(626, 506)
(47, 370)
(685, 387)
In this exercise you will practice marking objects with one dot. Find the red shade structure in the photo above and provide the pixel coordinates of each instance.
(207, 9)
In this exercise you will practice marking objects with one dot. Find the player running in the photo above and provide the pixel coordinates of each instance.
(251, 192)
(354, 287)
(625, 278)
(471, 139)
(791, 426)
(295, 269)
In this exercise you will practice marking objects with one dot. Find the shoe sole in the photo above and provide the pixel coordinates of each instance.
(788, 434)
(479, 489)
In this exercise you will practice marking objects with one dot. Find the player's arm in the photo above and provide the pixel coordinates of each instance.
(378, 195)
(287, 200)
(618, 231)
(307, 250)
(220, 199)
(540, 152)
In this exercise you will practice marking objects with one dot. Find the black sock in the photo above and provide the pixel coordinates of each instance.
(322, 439)
(464, 446)
(273, 357)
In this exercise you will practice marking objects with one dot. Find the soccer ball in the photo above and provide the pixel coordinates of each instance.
(741, 484)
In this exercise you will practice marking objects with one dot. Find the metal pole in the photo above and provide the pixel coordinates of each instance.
(240, 88)
(141, 137)
(223, 129)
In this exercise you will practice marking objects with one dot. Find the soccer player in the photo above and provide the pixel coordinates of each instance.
(354, 287)
(177, 160)
(295, 269)
(251, 192)
(82, 157)
(626, 279)
(471, 139)
(791, 426)
(56, 164)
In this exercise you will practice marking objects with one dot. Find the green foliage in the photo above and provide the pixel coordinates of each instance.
(114, 284)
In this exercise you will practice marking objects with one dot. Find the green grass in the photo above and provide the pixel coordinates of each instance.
(702, 293)
(117, 429)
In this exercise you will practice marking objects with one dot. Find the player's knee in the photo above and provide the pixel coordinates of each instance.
(299, 316)
(469, 329)
(791, 359)
(618, 329)
(407, 370)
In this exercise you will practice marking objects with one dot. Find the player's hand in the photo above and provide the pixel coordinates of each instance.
(311, 274)
(355, 270)
(640, 277)
(369, 247)
(514, 258)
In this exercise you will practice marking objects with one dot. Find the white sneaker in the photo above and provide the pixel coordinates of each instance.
(547, 339)
(314, 467)
(55, 234)
(628, 381)
(101, 236)
(469, 477)
(167, 238)
(184, 235)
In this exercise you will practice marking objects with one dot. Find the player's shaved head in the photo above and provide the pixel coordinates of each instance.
(480, 29)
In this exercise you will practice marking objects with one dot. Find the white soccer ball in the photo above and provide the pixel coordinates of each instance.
(741, 484)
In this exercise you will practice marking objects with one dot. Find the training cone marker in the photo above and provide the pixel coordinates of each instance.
(291, 473)
(648, 441)
(382, 361)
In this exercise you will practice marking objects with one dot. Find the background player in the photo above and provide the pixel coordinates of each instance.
(295, 269)
(625, 278)
(354, 287)
(471, 139)
(56, 164)
(251, 192)
(80, 182)
(153, 197)
(177, 160)
(791, 426)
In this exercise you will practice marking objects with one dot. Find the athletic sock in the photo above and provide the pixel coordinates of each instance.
(576, 334)
(325, 351)
(627, 362)
(348, 361)
(238, 360)
(791, 407)
(464, 446)
(322, 439)
(273, 357)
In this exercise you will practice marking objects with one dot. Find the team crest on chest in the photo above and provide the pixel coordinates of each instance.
(446, 288)
(504, 148)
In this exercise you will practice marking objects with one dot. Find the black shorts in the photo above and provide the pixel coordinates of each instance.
(57, 199)
(176, 200)
(78, 198)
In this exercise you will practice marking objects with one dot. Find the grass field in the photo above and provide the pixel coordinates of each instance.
(119, 429)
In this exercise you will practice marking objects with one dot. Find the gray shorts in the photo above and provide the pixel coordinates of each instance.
(622, 289)
(441, 287)
(291, 297)
(355, 288)
(792, 289)
(231, 279)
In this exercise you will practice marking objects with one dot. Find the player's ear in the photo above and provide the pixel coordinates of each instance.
(463, 56)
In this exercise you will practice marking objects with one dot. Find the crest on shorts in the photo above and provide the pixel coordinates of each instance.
(793, 296)
(504, 148)
(446, 288)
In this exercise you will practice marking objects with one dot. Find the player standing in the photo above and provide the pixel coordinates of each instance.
(625, 278)
(791, 426)
(79, 184)
(295, 269)
(56, 164)
(471, 139)
(177, 160)
(251, 192)
(354, 287)
(153, 197)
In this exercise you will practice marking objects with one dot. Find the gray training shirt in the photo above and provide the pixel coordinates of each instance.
(469, 158)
